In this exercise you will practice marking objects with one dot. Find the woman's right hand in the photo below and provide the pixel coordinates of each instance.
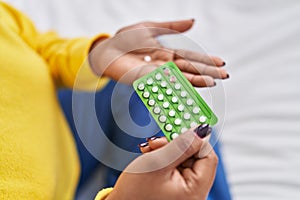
(157, 174)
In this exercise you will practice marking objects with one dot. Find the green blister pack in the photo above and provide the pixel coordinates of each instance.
(172, 101)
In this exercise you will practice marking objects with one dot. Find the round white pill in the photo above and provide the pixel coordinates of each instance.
(172, 113)
(160, 97)
(196, 110)
(168, 127)
(187, 116)
(158, 76)
(174, 135)
(146, 94)
(177, 121)
(156, 110)
(189, 102)
(162, 118)
(183, 94)
(155, 89)
(193, 124)
(141, 86)
(169, 91)
(163, 84)
(150, 81)
(180, 107)
(177, 86)
(174, 99)
(166, 104)
(151, 102)
(202, 119)
(147, 59)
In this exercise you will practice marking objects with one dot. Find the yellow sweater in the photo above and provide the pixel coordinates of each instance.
(38, 157)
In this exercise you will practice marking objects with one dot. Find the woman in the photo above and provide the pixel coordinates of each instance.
(38, 156)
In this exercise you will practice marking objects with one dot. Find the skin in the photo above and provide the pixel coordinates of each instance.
(158, 142)
(154, 144)
(174, 181)
(121, 57)
(172, 171)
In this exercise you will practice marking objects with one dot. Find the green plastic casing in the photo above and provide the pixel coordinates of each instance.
(211, 118)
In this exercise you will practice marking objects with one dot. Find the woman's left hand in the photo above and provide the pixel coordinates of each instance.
(134, 51)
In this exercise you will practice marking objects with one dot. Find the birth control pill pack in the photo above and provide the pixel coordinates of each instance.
(172, 101)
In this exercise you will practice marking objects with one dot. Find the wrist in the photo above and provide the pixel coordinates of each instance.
(96, 54)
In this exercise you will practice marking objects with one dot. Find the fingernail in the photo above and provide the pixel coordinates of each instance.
(224, 63)
(227, 76)
(215, 83)
(193, 20)
(142, 145)
(152, 138)
(203, 130)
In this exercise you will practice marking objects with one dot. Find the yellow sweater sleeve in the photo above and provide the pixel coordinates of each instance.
(103, 194)
(66, 58)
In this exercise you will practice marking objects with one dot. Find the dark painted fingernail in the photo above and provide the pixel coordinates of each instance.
(203, 130)
(142, 145)
(227, 76)
(152, 138)
(215, 83)
(193, 20)
(224, 63)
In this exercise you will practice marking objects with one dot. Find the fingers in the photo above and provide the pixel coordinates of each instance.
(144, 147)
(200, 73)
(200, 81)
(218, 61)
(157, 142)
(205, 149)
(153, 143)
(188, 163)
(160, 28)
(181, 148)
(206, 164)
(205, 169)
(201, 174)
(170, 156)
(198, 57)
(170, 27)
(201, 69)
(203, 131)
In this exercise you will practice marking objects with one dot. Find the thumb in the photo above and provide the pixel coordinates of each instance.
(173, 27)
(180, 149)
(171, 155)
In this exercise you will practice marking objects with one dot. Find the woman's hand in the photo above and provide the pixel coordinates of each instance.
(152, 144)
(155, 174)
(135, 51)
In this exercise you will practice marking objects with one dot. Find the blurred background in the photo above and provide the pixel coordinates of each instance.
(259, 104)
